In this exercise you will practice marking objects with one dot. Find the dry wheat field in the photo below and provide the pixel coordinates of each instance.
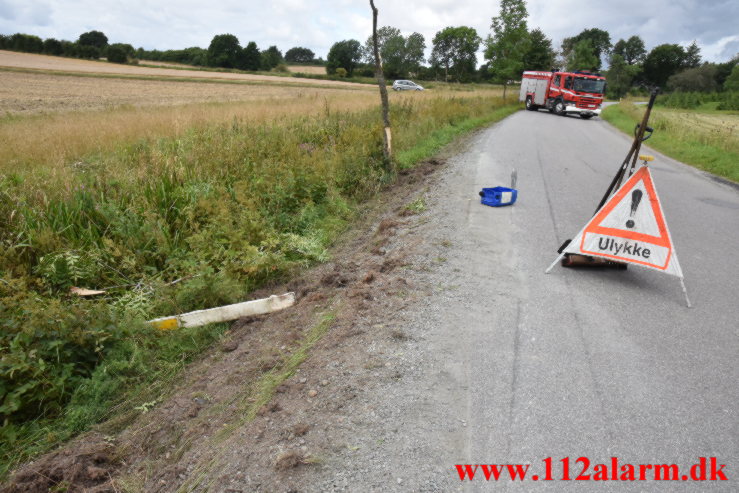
(50, 116)
(10, 59)
(307, 69)
(32, 92)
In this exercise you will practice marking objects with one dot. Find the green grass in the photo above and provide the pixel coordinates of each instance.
(170, 225)
(682, 135)
(435, 140)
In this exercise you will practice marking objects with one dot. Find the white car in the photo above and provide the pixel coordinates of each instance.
(406, 85)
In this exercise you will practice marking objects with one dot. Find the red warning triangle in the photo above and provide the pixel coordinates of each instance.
(630, 227)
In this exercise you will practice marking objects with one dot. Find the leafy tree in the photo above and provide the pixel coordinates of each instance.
(583, 57)
(127, 49)
(700, 79)
(4, 42)
(483, 73)
(189, 56)
(619, 76)
(393, 57)
(87, 51)
(117, 54)
(384, 34)
(455, 49)
(299, 55)
(400, 55)
(692, 56)
(539, 55)
(224, 51)
(271, 58)
(52, 47)
(25, 42)
(619, 49)
(600, 42)
(723, 70)
(508, 44)
(632, 50)
(415, 45)
(662, 62)
(403, 55)
(93, 38)
(732, 81)
(70, 49)
(345, 54)
(251, 58)
(635, 50)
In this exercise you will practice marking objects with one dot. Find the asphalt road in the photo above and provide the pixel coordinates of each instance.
(510, 365)
(603, 363)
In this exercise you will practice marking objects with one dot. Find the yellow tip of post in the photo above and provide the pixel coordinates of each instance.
(166, 324)
(645, 157)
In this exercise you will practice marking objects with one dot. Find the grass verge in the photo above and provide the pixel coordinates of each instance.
(437, 139)
(168, 225)
(257, 395)
(708, 140)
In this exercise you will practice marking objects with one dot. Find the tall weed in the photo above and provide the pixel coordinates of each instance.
(167, 225)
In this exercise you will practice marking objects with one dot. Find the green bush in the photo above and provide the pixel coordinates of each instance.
(729, 101)
(117, 54)
(25, 42)
(732, 81)
(53, 47)
(685, 100)
(691, 100)
(88, 51)
(49, 347)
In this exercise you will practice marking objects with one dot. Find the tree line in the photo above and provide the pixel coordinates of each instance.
(509, 49)
(224, 51)
(92, 45)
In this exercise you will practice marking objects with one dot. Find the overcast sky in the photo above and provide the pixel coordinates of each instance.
(317, 24)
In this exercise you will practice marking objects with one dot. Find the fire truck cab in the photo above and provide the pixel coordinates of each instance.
(563, 93)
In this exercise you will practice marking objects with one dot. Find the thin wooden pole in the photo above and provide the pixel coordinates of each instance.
(387, 137)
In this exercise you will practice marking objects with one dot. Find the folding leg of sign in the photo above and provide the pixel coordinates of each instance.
(630, 228)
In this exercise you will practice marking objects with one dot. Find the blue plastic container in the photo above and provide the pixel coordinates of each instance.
(498, 196)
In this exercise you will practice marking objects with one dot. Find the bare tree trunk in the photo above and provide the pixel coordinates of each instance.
(387, 137)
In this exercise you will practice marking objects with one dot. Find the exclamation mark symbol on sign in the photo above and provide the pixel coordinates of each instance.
(635, 199)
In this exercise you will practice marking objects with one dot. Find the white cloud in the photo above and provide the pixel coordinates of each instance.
(317, 24)
(723, 49)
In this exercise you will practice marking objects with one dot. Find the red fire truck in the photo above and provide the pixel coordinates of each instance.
(563, 92)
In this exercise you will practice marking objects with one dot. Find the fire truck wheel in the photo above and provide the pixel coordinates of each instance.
(559, 108)
(530, 104)
(586, 117)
